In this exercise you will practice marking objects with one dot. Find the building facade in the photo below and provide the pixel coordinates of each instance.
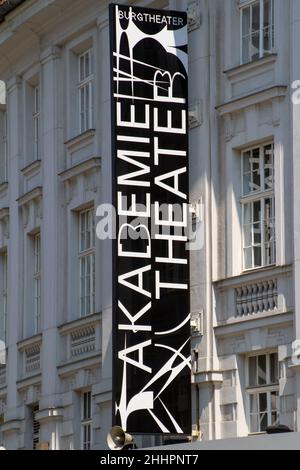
(55, 170)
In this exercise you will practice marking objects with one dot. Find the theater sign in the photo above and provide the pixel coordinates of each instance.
(151, 324)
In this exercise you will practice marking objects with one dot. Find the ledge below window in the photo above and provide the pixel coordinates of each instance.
(80, 139)
(80, 168)
(36, 193)
(31, 169)
(250, 66)
(257, 97)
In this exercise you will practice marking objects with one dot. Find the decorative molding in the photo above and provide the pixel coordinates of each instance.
(253, 99)
(51, 53)
(195, 115)
(197, 323)
(31, 349)
(259, 297)
(83, 341)
(193, 15)
(33, 358)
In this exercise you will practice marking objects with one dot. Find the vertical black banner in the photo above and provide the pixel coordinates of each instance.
(151, 363)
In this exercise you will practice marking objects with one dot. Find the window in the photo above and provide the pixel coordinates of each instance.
(86, 91)
(37, 282)
(36, 122)
(258, 205)
(87, 262)
(3, 297)
(35, 428)
(257, 30)
(86, 421)
(263, 391)
(3, 148)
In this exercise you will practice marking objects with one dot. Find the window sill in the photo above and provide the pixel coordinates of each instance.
(67, 328)
(263, 388)
(258, 274)
(254, 98)
(80, 168)
(251, 66)
(259, 268)
(31, 169)
(80, 139)
(24, 344)
(36, 193)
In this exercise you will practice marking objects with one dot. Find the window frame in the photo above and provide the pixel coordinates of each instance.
(37, 277)
(265, 389)
(86, 86)
(88, 252)
(259, 196)
(261, 30)
(4, 147)
(36, 122)
(86, 422)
